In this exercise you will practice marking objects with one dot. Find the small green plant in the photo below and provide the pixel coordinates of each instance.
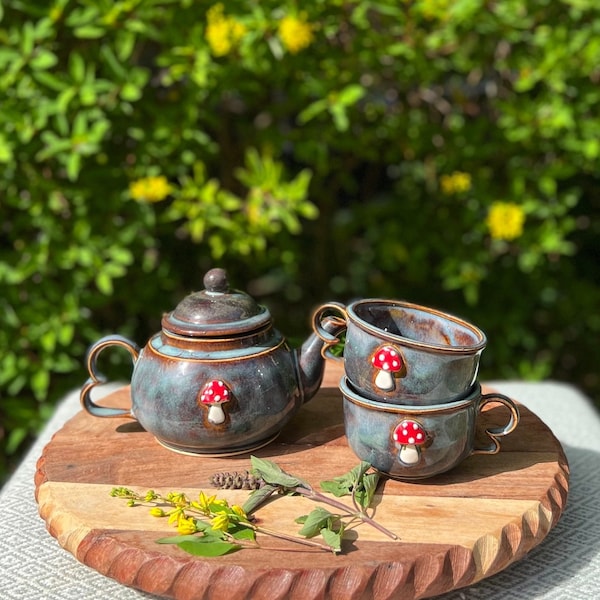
(210, 526)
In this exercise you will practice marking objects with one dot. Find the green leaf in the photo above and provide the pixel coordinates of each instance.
(200, 545)
(209, 548)
(89, 32)
(344, 484)
(43, 60)
(40, 381)
(244, 533)
(312, 110)
(177, 539)
(73, 167)
(15, 439)
(350, 94)
(274, 475)
(340, 118)
(357, 481)
(364, 493)
(116, 67)
(259, 497)
(315, 521)
(333, 538)
(104, 283)
(50, 81)
(6, 153)
(81, 16)
(338, 487)
(131, 92)
(76, 67)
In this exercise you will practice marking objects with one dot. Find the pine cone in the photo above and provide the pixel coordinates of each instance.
(236, 480)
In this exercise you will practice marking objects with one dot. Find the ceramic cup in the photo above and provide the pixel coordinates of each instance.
(404, 353)
(411, 442)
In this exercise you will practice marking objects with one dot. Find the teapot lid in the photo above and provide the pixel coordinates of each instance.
(216, 310)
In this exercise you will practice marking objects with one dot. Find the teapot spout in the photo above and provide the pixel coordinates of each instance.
(311, 361)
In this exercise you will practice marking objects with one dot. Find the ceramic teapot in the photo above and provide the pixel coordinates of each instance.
(218, 379)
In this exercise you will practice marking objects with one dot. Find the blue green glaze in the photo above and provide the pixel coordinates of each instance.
(450, 429)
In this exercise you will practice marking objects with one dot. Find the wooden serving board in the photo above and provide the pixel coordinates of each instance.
(454, 529)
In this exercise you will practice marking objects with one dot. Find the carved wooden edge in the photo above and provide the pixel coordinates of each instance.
(40, 477)
(196, 579)
(410, 578)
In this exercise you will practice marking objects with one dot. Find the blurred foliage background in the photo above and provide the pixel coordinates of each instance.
(441, 151)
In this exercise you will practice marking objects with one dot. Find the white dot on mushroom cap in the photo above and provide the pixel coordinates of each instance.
(415, 426)
(419, 436)
(411, 440)
(395, 363)
(382, 356)
(217, 398)
(405, 432)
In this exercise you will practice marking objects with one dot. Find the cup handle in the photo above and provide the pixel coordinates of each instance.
(330, 316)
(497, 432)
(96, 378)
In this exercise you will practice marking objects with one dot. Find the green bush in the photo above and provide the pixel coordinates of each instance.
(448, 149)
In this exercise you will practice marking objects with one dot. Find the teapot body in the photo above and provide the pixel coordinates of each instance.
(171, 385)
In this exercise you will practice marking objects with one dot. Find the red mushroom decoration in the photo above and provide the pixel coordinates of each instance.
(388, 361)
(214, 394)
(408, 437)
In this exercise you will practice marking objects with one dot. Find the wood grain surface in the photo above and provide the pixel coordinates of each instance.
(454, 529)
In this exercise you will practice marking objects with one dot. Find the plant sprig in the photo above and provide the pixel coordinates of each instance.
(210, 526)
(358, 482)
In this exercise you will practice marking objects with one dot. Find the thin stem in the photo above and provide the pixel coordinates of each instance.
(310, 493)
(289, 538)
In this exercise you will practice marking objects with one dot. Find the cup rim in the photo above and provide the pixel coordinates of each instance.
(406, 341)
(350, 394)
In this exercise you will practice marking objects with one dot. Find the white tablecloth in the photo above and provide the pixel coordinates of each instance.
(565, 566)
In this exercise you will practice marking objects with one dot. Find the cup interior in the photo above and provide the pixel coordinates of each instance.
(417, 323)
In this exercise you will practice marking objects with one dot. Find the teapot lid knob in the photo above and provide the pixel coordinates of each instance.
(218, 310)
(215, 281)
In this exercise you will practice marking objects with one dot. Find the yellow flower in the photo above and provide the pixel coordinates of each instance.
(455, 183)
(176, 515)
(186, 526)
(222, 33)
(220, 522)
(505, 220)
(295, 33)
(150, 189)
(239, 511)
(156, 511)
(204, 502)
(178, 498)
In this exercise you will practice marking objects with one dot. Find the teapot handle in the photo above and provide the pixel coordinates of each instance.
(96, 378)
(331, 313)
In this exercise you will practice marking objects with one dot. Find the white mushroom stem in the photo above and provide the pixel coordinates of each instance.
(409, 454)
(216, 414)
(384, 380)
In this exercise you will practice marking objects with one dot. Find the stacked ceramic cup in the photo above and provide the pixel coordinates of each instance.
(411, 396)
